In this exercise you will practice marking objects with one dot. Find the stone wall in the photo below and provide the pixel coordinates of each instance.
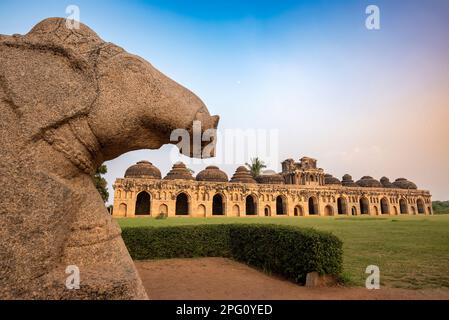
(269, 200)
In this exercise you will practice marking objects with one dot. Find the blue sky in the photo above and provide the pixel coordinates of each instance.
(361, 102)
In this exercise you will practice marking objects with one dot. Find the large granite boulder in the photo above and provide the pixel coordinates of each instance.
(70, 101)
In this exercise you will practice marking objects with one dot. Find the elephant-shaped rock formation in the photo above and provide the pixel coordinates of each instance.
(70, 101)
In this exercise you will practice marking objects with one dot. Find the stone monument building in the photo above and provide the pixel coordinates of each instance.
(301, 189)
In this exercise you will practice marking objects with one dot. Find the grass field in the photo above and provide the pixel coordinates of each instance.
(411, 252)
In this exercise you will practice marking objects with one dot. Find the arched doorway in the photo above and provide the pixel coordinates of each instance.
(143, 204)
(403, 206)
(384, 207)
(250, 206)
(364, 206)
(354, 211)
(420, 204)
(122, 209)
(267, 211)
(217, 205)
(163, 209)
(201, 210)
(280, 206)
(182, 205)
(298, 211)
(328, 211)
(236, 211)
(341, 204)
(313, 206)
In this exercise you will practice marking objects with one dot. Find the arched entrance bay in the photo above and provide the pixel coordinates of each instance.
(217, 205)
(341, 204)
(143, 204)
(182, 205)
(313, 206)
(364, 206)
(384, 206)
(267, 211)
(298, 211)
(421, 208)
(403, 206)
(250, 206)
(280, 206)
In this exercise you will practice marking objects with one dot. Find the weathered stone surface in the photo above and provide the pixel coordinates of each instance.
(314, 279)
(299, 193)
(297, 200)
(70, 101)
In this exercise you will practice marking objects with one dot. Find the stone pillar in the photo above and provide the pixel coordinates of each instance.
(208, 205)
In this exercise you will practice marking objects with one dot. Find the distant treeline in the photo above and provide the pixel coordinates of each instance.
(440, 207)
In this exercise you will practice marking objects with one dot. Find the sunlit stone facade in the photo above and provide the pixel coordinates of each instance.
(301, 189)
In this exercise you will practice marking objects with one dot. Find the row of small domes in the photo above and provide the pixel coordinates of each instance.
(242, 174)
(211, 173)
(370, 182)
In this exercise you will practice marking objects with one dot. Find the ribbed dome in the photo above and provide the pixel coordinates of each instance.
(143, 169)
(348, 182)
(331, 180)
(386, 182)
(179, 171)
(212, 173)
(403, 183)
(369, 182)
(243, 175)
(270, 177)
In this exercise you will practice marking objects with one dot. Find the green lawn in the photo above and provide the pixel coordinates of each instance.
(411, 252)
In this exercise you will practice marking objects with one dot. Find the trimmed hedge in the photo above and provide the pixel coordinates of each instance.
(284, 250)
(190, 241)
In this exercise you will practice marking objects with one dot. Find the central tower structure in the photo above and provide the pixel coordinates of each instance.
(304, 172)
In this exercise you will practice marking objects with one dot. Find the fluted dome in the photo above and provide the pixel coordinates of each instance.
(143, 169)
(386, 182)
(212, 173)
(331, 180)
(369, 182)
(270, 177)
(242, 175)
(403, 183)
(179, 171)
(348, 182)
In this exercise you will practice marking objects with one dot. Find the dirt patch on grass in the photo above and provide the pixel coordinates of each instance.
(224, 279)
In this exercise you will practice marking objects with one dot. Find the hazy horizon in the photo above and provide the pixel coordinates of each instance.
(363, 102)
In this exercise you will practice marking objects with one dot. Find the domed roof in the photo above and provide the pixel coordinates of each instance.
(243, 175)
(212, 173)
(403, 183)
(331, 180)
(386, 182)
(179, 171)
(348, 182)
(143, 169)
(369, 182)
(270, 177)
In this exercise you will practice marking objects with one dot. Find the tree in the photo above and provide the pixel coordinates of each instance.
(256, 166)
(440, 207)
(100, 183)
